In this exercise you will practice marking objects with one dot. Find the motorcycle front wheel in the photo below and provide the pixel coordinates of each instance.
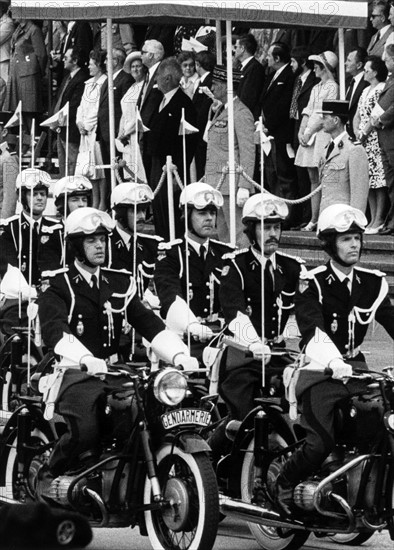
(189, 518)
(269, 538)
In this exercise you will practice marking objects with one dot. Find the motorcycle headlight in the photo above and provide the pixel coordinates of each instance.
(170, 387)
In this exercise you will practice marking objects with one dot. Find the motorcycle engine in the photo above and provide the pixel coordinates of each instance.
(59, 488)
(304, 494)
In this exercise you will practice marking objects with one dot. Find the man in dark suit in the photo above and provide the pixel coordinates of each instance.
(71, 91)
(303, 84)
(380, 21)
(383, 120)
(79, 36)
(275, 101)
(354, 66)
(205, 63)
(252, 73)
(121, 83)
(163, 139)
(152, 53)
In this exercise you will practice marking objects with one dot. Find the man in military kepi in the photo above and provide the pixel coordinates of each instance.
(335, 305)
(343, 167)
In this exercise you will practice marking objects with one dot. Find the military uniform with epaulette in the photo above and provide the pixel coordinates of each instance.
(240, 291)
(47, 245)
(204, 277)
(96, 318)
(324, 302)
(121, 256)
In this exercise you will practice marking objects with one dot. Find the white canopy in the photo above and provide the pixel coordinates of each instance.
(257, 13)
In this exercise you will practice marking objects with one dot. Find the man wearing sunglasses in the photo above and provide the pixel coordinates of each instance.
(335, 305)
(241, 300)
(188, 271)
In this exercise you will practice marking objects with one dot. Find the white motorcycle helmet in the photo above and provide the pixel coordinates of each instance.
(128, 194)
(71, 186)
(200, 195)
(267, 208)
(33, 178)
(88, 221)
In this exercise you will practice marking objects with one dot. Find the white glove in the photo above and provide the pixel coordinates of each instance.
(93, 365)
(258, 349)
(340, 369)
(200, 332)
(186, 362)
(242, 196)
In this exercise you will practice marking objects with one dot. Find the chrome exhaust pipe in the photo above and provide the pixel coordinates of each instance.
(98, 500)
(246, 511)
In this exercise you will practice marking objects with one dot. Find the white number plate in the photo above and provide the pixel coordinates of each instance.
(186, 417)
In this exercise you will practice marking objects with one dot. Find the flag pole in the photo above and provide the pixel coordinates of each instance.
(20, 217)
(186, 229)
(31, 226)
(67, 148)
(170, 195)
(32, 141)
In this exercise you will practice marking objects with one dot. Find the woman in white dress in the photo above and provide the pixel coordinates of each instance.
(126, 141)
(89, 150)
(313, 140)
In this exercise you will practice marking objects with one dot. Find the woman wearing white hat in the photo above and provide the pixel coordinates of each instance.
(126, 140)
(312, 138)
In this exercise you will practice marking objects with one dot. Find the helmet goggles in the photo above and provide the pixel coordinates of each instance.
(87, 223)
(343, 221)
(204, 198)
(126, 194)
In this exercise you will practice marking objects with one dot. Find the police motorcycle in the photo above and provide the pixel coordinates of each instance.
(347, 500)
(154, 470)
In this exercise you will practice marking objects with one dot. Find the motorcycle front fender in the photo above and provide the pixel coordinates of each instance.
(189, 442)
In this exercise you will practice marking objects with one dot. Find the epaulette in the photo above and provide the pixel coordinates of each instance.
(50, 219)
(373, 271)
(168, 245)
(312, 272)
(124, 271)
(54, 272)
(6, 221)
(227, 245)
(296, 258)
(154, 237)
(232, 255)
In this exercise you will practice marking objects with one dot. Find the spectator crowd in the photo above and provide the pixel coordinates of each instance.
(292, 132)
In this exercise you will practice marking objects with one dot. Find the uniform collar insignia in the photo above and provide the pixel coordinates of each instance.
(279, 268)
(330, 279)
(358, 279)
(139, 246)
(120, 243)
(104, 278)
(78, 278)
(254, 264)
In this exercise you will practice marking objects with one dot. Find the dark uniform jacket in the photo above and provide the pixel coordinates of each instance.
(251, 85)
(322, 301)
(240, 290)
(69, 305)
(204, 277)
(47, 246)
(119, 257)
(71, 91)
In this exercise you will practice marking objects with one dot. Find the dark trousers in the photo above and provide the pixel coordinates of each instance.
(79, 402)
(279, 172)
(317, 406)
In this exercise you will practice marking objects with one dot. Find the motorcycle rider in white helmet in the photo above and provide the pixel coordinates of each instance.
(240, 296)
(188, 270)
(82, 314)
(130, 202)
(72, 192)
(335, 305)
(28, 239)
